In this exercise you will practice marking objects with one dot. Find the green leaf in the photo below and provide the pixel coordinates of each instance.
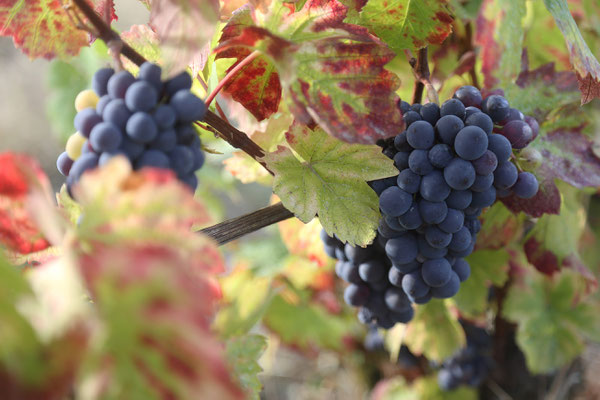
(305, 325)
(487, 266)
(243, 353)
(500, 35)
(405, 24)
(584, 63)
(434, 331)
(428, 389)
(330, 181)
(246, 299)
(551, 321)
(499, 228)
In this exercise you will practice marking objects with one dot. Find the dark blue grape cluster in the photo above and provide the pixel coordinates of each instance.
(145, 119)
(470, 365)
(451, 166)
(373, 284)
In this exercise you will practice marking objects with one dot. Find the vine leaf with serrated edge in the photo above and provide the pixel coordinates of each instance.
(329, 180)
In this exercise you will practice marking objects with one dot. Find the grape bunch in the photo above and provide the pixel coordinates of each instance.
(453, 161)
(145, 119)
(470, 365)
(373, 284)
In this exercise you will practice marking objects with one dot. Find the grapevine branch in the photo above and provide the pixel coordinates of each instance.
(237, 227)
(233, 228)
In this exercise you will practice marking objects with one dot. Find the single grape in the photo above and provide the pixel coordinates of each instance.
(165, 141)
(526, 186)
(74, 145)
(181, 81)
(403, 106)
(105, 137)
(450, 289)
(102, 103)
(427, 251)
(117, 113)
(396, 300)
(505, 175)
(100, 80)
(533, 124)
(420, 135)
(395, 277)
(141, 96)
(410, 117)
(513, 115)
(500, 146)
(131, 148)
(85, 120)
(482, 182)
(470, 96)
(486, 164)
(108, 155)
(459, 199)
(418, 162)
(484, 198)
(85, 162)
(141, 127)
(437, 238)
(414, 285)
(118, 83)
(470, 143)
(496, 107)
(473, 225)
(350, 274)
(460, 240)
(462, 269)
(409, 181)
(358, 255)
(430, 112)
(394, 201)
(453, 222)
(470, 111)
(416, 107)
(447, 127)
(372, 270)
(403, 249)
(152, 158)
(401, 144)
(518, 133)
(459, 174)
(187, 106)
(356, 295)
(412, 218)
(401, 160)
(151, 73)
(64, 163)
(436, 272)
(530, 158)
(433, 212)
(404, 316)
(480, 120)
(453, 107)
(86, 99)
(387, 231)
(164, 116)
(434, 187)
(440, 155)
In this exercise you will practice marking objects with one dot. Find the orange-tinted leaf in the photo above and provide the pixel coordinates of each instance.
(20, 176)
(256, 85)
(42, 28)
(344, 87)
(303, 239)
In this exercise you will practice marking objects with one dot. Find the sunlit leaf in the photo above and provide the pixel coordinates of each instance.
(330, 180)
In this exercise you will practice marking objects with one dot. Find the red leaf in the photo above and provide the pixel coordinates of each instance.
(19, 174)
(42, 28)
(256, 86)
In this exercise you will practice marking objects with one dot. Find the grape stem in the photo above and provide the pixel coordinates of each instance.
(237, 227)
(233, 72)
(230, 134)
(420, 67)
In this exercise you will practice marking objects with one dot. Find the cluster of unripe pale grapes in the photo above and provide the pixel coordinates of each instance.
(145, 119)
(453, 161)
